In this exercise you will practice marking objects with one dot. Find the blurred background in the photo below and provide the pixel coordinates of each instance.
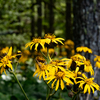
(77, 21)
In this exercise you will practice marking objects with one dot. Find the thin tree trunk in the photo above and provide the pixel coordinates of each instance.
(45, 18)
(51, 17)
(68, 33)
(76, 23)
(39, 21)
(32, 20)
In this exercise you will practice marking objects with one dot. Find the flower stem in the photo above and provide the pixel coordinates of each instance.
(16, 67)
(43, 54)
(48, 60)
(50, 94)
(75, 95)
(47, 84)
(19, 84)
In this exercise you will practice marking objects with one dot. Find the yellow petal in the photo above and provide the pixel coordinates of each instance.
(50, 79)
(42, 45)
(92, 89)
(36, 45)
(28, 44)
(10, 52)
(81, 85)
(10, 66)
(60, 41)
(34, 73)
(40, 75)
(57, 85)
(1, 64)
(67, 80)
(2, 69)
(85, 89)
(43, 75)
(31, 46)
(77, 69)
(53, 83)
(63, 69)
(54, 41)
(88, 89)
(62, 84)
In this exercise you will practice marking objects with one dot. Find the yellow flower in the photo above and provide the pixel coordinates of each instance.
(78, 61)
(36, 43)
(53, 38)
(85, 49)
(5, 50)
(87, 84)
(24, 56)
(51, 51)
(63, 53)
(59, 77)
(41, 70)
(65, 63)
(97, 59)
(88, 67)
(97, 64)
(69, 44)
(78, 57)
(5, 63)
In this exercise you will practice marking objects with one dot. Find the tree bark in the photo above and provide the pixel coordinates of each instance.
(87, 29)
(51, 17)
(68, 25)
(32, 20)
(39, 21)
(45, 17)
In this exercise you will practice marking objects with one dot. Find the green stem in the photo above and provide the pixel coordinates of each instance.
(48, 60)
(46, 84)
(43, 54)
(19, 84)
(75, 95)
(50, 94)
(16, 67)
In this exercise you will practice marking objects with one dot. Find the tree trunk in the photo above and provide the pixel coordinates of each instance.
(32, 20)
(76, 22)
(39, 21)
(68, 33)
(87, 29)
(45, 18)
(51, 17)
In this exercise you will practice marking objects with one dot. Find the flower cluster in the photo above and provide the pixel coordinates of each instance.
(6, 59)
(97, 59)
(69, 73)
(84, 49)
(59, 74)
(47, 41)
(5, 62)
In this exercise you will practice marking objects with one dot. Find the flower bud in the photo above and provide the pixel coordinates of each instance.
(70, 94)
(18, 55)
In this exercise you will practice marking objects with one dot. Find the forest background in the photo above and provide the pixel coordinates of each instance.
(21, 20)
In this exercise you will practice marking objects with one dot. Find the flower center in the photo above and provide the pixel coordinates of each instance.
(60, 74)
(43, 67)
(4, 61)
(36, 40)
(50, 36)
(89, 81)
